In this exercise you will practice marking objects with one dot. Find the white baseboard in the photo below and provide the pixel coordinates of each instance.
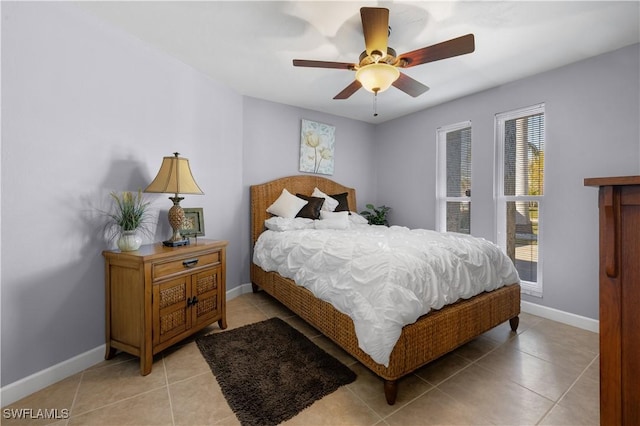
(239, 290)
(561, 316)
(40, 380)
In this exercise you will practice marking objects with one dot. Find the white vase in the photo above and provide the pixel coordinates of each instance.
(129, 241)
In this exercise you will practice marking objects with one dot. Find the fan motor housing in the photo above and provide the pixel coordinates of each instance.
(376, 57)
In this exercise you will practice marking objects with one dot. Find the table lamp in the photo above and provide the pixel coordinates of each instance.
(175, 177)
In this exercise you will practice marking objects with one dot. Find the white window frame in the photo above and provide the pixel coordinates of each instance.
(528, 287)
(441, 174)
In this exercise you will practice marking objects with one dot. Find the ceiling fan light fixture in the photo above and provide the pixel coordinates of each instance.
(377, 77)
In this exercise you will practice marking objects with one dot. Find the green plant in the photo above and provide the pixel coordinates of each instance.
(376, 215)
(129, 212)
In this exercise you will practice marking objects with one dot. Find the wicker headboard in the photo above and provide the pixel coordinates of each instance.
(263, 195)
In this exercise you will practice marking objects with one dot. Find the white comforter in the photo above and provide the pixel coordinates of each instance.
(385, 278)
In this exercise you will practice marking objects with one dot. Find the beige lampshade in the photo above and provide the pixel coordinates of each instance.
(377, 77)
(174, 177)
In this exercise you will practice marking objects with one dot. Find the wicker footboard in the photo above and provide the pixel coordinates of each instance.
(432, 336)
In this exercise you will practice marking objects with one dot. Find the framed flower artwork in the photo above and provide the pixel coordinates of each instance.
(193, 224)
(317, 142)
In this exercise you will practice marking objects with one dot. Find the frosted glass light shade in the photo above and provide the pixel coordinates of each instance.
(377, 77)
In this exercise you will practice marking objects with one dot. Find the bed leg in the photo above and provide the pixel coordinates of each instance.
(391, 391)
(514, 322)
(254, 287)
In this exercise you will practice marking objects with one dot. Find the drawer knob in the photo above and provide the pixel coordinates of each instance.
(190, 263)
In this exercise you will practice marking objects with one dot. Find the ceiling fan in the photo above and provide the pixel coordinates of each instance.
(378, 66)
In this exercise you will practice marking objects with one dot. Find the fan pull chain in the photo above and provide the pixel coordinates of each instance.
(375, 104)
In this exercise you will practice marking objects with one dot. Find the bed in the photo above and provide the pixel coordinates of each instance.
(428, 338)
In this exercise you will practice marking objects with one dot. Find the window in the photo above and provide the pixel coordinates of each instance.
(520, 147)
(454, 178)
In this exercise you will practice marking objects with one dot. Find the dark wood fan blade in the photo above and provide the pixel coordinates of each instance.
(375, 26)
(349, 90)
(323, 64)
(410, 86)
(446, 49)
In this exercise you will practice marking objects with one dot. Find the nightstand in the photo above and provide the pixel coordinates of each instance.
(157, 296)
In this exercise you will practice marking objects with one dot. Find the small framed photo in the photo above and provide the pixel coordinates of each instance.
(193, 225)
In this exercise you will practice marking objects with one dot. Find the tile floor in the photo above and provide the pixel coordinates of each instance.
(547, 374)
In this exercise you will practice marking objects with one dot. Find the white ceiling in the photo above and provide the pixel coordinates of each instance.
(250, 46)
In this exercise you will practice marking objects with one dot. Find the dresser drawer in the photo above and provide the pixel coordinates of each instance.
(185, 264)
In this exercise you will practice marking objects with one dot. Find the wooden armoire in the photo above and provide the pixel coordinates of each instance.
(619, 204)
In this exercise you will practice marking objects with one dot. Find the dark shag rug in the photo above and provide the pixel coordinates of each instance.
(269, 371)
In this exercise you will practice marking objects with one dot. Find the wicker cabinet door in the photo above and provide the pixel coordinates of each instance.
(206, 288)
(170, 309)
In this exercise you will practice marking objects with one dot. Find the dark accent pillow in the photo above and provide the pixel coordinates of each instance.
(312, 209)
(343, 203)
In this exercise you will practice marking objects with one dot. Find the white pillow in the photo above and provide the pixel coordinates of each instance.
(333, 220)
(281, 224)
(358, 219)
(287, 205)
(334, 215)
(329, 204)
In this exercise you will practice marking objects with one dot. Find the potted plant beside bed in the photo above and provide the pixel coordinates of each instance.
(376, 215)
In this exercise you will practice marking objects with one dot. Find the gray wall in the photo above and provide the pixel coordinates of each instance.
(592, 110)
(87, 110)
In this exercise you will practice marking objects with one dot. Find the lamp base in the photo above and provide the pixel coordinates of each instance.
(178, 243)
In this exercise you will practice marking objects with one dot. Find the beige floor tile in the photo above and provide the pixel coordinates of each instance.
(476, 348)
(584, 396)
(557, 352)
(499, 400)
(370, 389)
(242, 313)
(150, 408)
(334, 350)
(502, 333)
(183, 362)
(199, 401)
(303, 327)
(340, 408)
(548, 379)
(117, 359)
(241, 302)
(441, 369)
(257, 298)
(275, 309)
(570, 336)
(435, 408)
(593, 371)
(56, 400)
(563, 416)
(249, 318)
(104, 386)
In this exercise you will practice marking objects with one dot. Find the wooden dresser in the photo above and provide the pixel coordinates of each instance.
(157, 296)
(619, 203)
